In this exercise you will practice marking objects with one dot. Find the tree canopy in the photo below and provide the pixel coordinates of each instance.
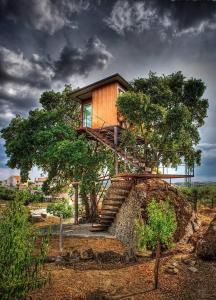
(166, 111)
(47, 138)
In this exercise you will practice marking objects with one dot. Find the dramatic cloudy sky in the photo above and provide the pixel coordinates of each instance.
(45, 44)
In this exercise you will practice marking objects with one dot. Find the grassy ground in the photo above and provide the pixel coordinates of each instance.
(88, 280)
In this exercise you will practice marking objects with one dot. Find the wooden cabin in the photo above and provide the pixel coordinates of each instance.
(98, 101)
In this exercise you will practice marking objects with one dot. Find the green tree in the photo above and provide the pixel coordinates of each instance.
(193, 194)
(47, 138)
(167, 112)
(63, 210)
(20, 268)
(212, 195)
(157, 231)
(197, 193)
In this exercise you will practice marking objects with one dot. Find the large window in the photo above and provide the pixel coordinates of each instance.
(87, 115)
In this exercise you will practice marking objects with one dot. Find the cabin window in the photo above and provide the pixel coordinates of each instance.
(120, 91)
(87, 115)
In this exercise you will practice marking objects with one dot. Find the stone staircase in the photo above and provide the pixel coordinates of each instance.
(114, 197)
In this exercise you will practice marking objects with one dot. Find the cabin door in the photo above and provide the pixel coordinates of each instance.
(87, 115)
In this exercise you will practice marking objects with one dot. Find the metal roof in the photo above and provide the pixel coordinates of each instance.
(85, 92)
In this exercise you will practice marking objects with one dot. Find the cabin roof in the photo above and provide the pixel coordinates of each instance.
(85, 92)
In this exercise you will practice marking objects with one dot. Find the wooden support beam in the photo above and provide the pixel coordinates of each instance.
(116, 143)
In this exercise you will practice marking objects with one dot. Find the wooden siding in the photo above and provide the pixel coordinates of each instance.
(104, 105)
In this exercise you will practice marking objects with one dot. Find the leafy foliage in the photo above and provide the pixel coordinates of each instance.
(167, 112)
(48, 139)
(158, 230)
(20, 270)
(7, 193)
(160, 226)
(200, 194)
(26, 197)
(60, 209)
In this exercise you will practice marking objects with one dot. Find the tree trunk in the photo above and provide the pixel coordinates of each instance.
(76, 207)
(157, 264)
(212, 203)
(86, 204)
(93, 199)
(60, 236)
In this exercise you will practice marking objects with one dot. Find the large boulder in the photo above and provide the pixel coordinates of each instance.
(140, 195)
(206, 246)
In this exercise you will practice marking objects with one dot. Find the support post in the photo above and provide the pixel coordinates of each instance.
(116, 143)
(116, 162)
(76, 205)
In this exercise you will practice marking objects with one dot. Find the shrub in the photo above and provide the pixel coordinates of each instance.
(20, 270)
(205, 194)
(63, 210)
(158, 230)
(7, 193)
(26, 197)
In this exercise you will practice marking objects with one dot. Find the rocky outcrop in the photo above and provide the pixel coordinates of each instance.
(206, 246)
(135, 204)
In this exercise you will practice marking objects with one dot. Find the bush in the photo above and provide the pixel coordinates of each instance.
(63, 210)
(158, 230)
(20, 270)
(60, 209)
(27, 197)
(205, 194)
(7, 193)
(37, 197)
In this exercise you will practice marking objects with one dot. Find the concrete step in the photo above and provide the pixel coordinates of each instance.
(98, 228)
(121, 184)
(112, 203)
(110, 208)
(106, 217)
(115, 197)
(108, 212)
(106, 222)
(119, 192)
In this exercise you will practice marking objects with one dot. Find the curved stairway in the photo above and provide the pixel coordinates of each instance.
(114, 197)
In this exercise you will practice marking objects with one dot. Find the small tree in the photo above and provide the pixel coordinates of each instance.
(20, 269)
(196, 193)
(157, 231)
(212, 196)
(62, 210)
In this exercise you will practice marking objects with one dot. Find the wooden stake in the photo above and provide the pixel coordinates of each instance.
(61, 236)
(157, 264)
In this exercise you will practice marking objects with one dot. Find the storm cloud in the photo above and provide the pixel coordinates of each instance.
(46, 15)
(82, 61)
(177, 18)
(47, 44)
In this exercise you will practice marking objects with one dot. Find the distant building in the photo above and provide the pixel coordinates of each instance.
(39, 181)
(13, 181)
(23, 186)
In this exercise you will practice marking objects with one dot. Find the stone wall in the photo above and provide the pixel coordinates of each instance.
(140, 195)
(206, 246)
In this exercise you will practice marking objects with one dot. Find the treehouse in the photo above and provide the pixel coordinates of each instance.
(101, 121)
(98, 102)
